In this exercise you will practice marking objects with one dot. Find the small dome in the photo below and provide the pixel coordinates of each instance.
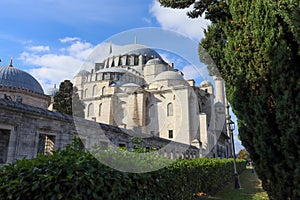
(169, 75)
(155, 61)
(83, 73)
(51, 91)
(14, 77)
(219, 104)
(205, 84)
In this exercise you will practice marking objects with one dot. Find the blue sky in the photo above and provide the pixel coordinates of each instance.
(51, 38)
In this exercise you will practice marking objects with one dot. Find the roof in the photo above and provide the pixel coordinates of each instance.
(205, 84)
(14, 77)
(169, 75)
(33, 110)
(83, 73)
(155, 61)
(51, 91)
(134, 49)
(113, 69)
(130, 85)
(219, 104)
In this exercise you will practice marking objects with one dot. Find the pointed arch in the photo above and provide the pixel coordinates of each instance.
(170, 109)
(103, 90)
(94, 90)
(86, 93)
(90, 110)
(100, 109)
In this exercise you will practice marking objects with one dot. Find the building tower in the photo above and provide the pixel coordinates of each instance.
(220, 89)
(221, 97)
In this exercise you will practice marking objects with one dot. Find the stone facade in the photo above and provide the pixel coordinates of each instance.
(26, 131)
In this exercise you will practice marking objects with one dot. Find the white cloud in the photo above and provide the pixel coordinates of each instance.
(176, 19)
(39, 48)
(53, 67)
(80, 49)
(69, 39)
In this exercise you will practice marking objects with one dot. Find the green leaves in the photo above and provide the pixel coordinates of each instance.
(67, 101)
(259, 65)
(76, 174)
(63, 98)
(255, 46)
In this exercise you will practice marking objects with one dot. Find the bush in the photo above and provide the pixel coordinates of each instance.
(75, 174)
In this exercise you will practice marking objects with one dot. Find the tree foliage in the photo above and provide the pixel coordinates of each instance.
(76, 174)
(77, 105)
(255, 47)
(67, 101)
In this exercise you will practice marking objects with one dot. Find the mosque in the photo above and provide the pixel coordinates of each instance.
(132, 91)
(135, 89)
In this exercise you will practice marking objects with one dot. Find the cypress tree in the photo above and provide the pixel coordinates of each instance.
(255, 47)
(67, 101)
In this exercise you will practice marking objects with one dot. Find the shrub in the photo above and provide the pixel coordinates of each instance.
(76, 174)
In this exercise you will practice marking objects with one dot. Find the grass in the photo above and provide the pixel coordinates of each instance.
(250, 189)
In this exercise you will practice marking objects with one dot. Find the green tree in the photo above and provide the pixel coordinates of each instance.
(255, 47)
(77, 105)
(67, 101)
(63, 98)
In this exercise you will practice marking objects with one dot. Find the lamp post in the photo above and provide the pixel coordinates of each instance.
(236, 175)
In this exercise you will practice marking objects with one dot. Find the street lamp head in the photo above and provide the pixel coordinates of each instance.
(231, 125)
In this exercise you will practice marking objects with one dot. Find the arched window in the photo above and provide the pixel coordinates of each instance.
(170, 109)
(90, 110)
(103, 91)
(85, 93)
(94, 90)
(100, 109)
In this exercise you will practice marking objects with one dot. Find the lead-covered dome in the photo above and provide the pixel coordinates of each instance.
(83, 73)
(135, 49)
(205, 84)
(14, 77)
(51, 91)
(155, 61)
(169, 75)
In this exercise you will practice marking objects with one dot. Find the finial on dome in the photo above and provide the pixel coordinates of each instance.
(110, 48)
(10, 63)
(135, 39)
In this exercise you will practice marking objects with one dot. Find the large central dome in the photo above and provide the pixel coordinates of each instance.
(135, 49)
(14, 77)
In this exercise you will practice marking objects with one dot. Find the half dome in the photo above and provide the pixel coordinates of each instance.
(14, 77)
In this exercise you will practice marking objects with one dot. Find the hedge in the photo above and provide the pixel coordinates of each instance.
(75, 174)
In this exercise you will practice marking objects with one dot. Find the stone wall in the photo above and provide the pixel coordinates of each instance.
(25, 96)
(26, 127)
